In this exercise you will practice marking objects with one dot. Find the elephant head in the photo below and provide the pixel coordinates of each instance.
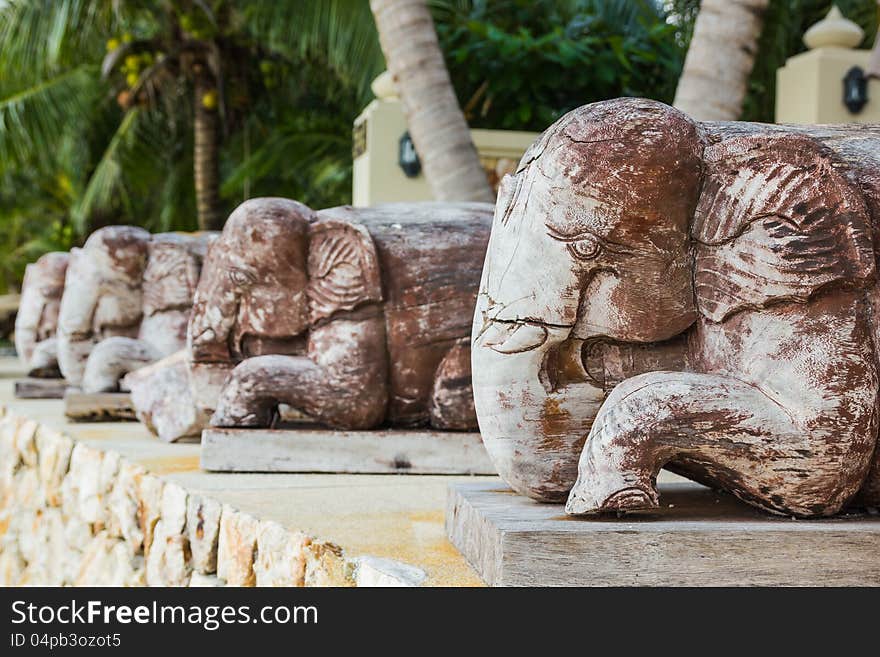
(587, 251)
(37, 317)
(251, 298)
(270, 284)
(102, 294)
(170, 279)
(681, 261)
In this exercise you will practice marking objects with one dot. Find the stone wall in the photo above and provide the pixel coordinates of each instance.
(71, 514)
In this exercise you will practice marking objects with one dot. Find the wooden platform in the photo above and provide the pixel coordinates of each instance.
(355, 452)
(34, 388)
(697, 538)
(98, 407)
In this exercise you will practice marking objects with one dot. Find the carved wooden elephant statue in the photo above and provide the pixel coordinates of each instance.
(128, 301)
(660, 293)
(354, 316)
(102, 295)
(37, 318)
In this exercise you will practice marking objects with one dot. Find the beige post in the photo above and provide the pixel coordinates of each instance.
(377, 133)
(809, 88)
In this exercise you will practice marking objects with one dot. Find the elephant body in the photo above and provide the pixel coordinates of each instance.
(37, 318)
(711, 311)
(128, 303)
(354, 316)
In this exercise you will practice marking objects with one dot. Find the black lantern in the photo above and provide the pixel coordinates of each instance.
(855, 90)
(407, 158)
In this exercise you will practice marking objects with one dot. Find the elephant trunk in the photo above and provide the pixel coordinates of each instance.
(28, 318)
(43, 362)
(533, 429)
(76, 317)
(214, 314)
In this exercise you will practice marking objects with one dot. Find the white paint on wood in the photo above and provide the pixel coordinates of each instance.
(98, 407)
(33, 388)
(326, 450)
(699, 537)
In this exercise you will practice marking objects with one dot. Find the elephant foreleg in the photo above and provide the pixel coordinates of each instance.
(113, 358)
(869, 493)
(258, 385)
(44, 360)
(452, 396)
(720, 427)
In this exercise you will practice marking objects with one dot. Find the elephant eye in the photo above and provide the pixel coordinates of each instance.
(240, 277)
(585, 248)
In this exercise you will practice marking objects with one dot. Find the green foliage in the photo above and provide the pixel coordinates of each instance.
(520, 64)
(96, 105)
(96, 110)
(303, 154)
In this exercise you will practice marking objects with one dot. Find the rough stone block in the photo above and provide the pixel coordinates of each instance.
(9, 458)
(24, 442)
(122, 508)
(326, 565)
(199, 580)
(236, 548)
(108, 562)
(106, 479)
(168, 559)
(11, 567)
(149, 507)
(26, 488)
(80, 491)
(203, 528)
(379, 572)
(281, 559)
(54, 451)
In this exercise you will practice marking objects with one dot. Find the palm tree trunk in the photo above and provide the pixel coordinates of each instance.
(720, 58)
(205, 165)
(436, 123)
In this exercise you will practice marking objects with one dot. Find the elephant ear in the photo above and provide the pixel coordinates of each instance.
(777, 219)
(343, 268)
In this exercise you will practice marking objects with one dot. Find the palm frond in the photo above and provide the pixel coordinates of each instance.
(341, 31)
(107, 180)
(33, 119)
(40, 37)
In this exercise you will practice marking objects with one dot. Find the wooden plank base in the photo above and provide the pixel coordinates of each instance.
(98, 407)
(34, 388)
(698, 537)
(328, 450)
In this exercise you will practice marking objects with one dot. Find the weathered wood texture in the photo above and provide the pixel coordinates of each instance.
(33, 388)
(699, 537)
(98, 406)
(433, 116)
(127, 303)
(698, 296)
(162, 398)
(103, 295)
(720, 57)
(363, 321)
(37, 318)
(358, 452)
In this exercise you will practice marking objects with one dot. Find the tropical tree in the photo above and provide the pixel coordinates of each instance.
(720, 58)
(435, 120)
(521, 64)
(781, 36)
(99, 104)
